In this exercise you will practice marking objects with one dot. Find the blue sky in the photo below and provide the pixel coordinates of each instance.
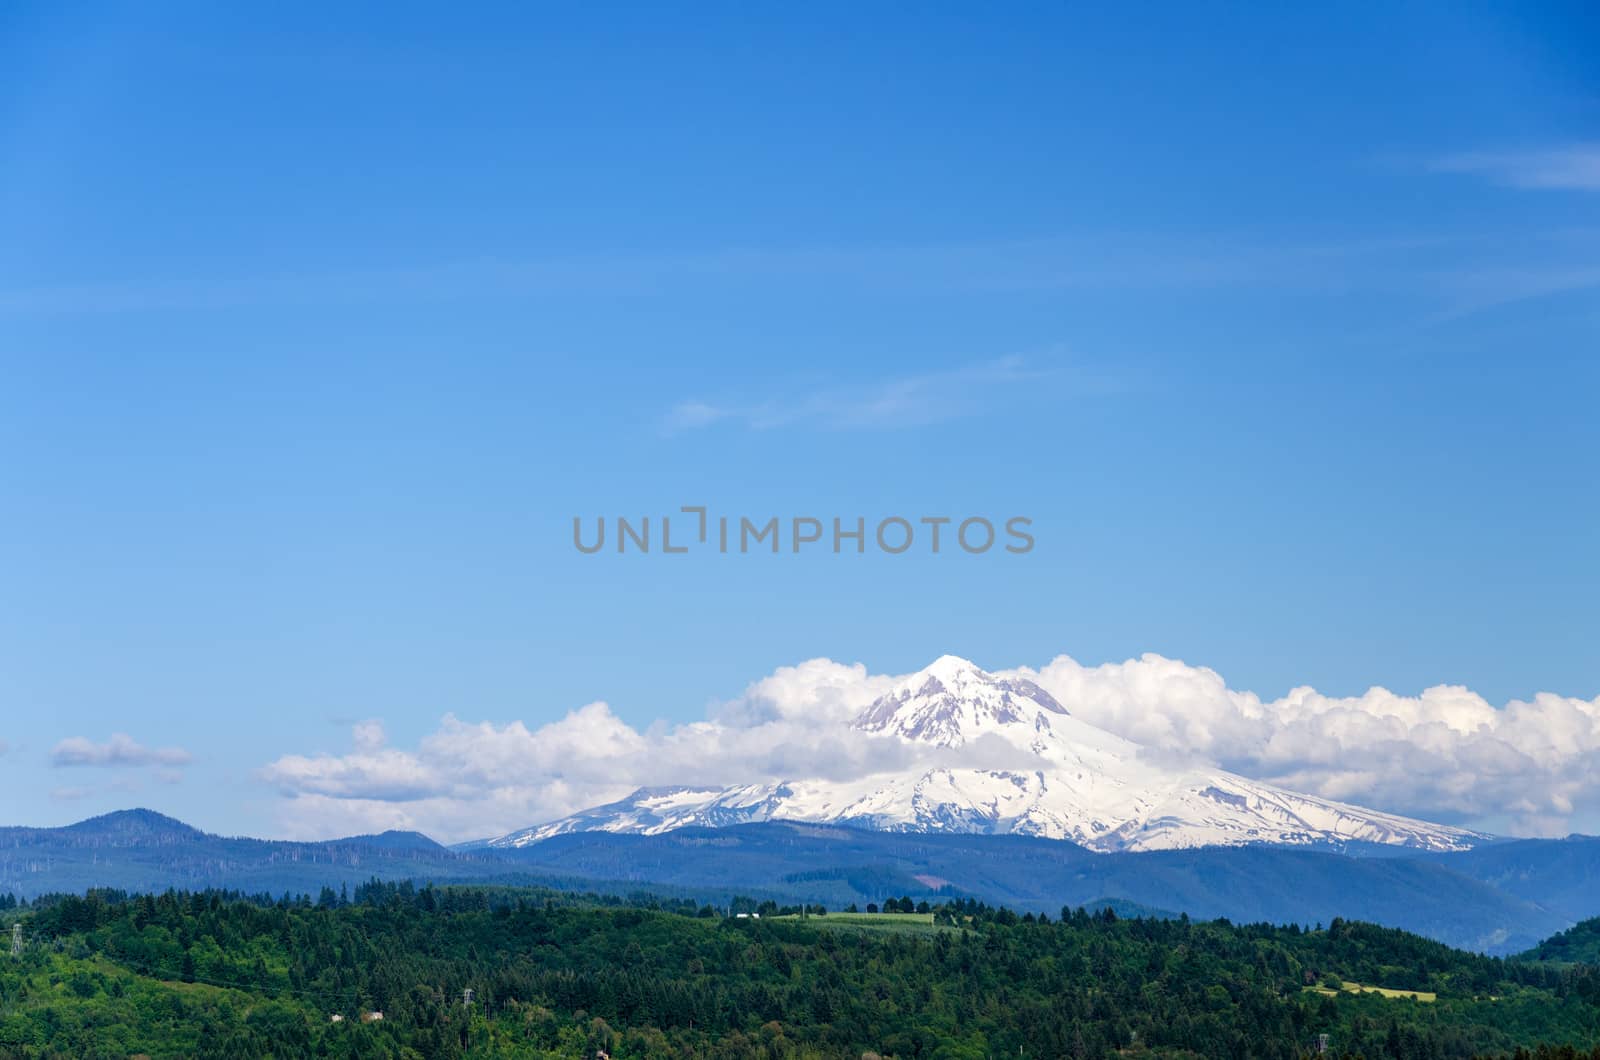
(318, 328)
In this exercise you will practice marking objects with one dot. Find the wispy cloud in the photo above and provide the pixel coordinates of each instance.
(1570, 167)
(121, 750)
(1475, 291)
(900, 401)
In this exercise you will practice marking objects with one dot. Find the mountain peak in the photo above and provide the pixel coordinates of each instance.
(952, 668)
(952, 701)
(135, 825)
(1060, 777)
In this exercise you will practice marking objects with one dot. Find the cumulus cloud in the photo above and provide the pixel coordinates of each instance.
(121, 750)
(819, 691)
(1445, 754)
(470, 779)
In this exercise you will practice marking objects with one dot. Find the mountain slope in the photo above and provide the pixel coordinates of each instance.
(1059, 778)
(1563, 875)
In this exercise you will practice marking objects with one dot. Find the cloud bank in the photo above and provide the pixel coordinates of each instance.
(1528, 767)
(472, 779)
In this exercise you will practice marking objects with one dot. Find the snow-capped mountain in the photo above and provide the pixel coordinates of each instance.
(1063, 779)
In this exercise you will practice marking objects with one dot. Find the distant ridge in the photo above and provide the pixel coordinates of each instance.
(1500, 898)
(393, 840)
(142, 850)
(1426, 895)
(134, 826)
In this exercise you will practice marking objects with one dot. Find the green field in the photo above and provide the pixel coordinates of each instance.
(914, 923)
(1357, 988)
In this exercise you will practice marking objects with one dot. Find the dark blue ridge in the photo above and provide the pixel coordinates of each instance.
(1498, 898)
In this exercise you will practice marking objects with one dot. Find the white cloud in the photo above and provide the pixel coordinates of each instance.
(1570, 167)
(1446, 754)
(819, 692)
(467, 780)
(368, 735)
(121, 750)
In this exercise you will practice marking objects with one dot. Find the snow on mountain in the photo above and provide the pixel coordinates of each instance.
(1062, 779)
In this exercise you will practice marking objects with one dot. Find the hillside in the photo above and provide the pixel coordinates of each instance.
(1579, 943)
(1563, 875)
(208, 976)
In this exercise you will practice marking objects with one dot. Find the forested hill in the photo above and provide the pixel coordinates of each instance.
(1581, 942)
(212, 975)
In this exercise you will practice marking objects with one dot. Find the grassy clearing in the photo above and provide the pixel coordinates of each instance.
(919, 923)
(1348, 987)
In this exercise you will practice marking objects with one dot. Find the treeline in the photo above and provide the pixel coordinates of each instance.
(375, 891)
(502, 972)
